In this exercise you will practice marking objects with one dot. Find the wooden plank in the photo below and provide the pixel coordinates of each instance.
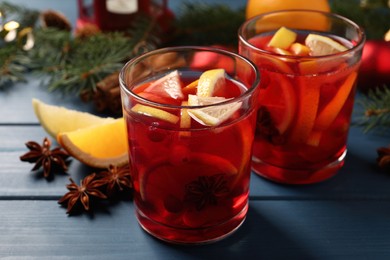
(272, 230)
(355, 180)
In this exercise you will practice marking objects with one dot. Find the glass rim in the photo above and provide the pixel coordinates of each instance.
(139, 58)
(359, 29)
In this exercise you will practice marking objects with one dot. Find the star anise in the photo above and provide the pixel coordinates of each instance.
(383, 158)
(266, 128)
(117, 179)
(206, 190)
(43, 156)
(88, 188)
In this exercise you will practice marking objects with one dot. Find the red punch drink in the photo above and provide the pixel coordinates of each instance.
(307, 92)
(190, 129)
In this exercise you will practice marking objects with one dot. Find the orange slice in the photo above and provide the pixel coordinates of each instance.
(309, 97)
(283, 38)
(332, 109)
(321, 45)
(168, 86)
(55, 119)
(156, 113)
(191, 88)
(158, 179)
(280, 100)
(299, 49)
(210, 81)
(98, 146)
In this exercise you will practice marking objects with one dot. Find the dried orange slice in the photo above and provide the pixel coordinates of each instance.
(55, 119)
(156, 113)
(98, 146)
(210, 81)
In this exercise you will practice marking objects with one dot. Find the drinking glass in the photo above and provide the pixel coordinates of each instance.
(305, 101)
(190, 178)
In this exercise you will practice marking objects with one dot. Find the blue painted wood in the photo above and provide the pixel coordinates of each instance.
(273, 230)
(346, 217)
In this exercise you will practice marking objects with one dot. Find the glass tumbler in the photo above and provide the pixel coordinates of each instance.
(306, 94)
(190, 162)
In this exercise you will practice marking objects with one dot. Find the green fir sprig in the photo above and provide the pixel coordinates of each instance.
(12, 59)
(75, 65)
(376, 109)
(206, 24)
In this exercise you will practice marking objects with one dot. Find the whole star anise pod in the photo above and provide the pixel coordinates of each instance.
(117, 179)
(89, 187)
(383, 158)
(43, 156)
(206, 190)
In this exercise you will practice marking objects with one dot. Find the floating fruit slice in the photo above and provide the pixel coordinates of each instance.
(155, 112)
(97, 146)
(332, 109)
(209, 82)
(194, 100)
(55, 119)
(283, 38)
(168, 86)
(191, 88)
(161, 178)
(309, 98)
(299, 49)
(321, 45)
(185, 119)
(214, 115)
(280, 100)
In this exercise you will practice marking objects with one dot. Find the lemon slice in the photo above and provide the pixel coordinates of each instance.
(168, 86)
(214, 115)
(194, 100)
(209, 82)
(156, 113)
(321, 45)
(55, 119)
(98, 146)
(185, 119)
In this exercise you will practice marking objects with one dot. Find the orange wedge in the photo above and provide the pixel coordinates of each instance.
(332, 109)
(98, 146)
(56, 119)
(309, 97)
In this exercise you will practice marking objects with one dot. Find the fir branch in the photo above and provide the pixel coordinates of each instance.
(24, 16)
(75, 65)
(205, 24)
(376, 107)
(372, 15)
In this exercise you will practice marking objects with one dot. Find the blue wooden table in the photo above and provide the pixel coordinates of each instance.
(346, 217)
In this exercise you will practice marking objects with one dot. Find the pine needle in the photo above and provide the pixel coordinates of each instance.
(376, 106)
